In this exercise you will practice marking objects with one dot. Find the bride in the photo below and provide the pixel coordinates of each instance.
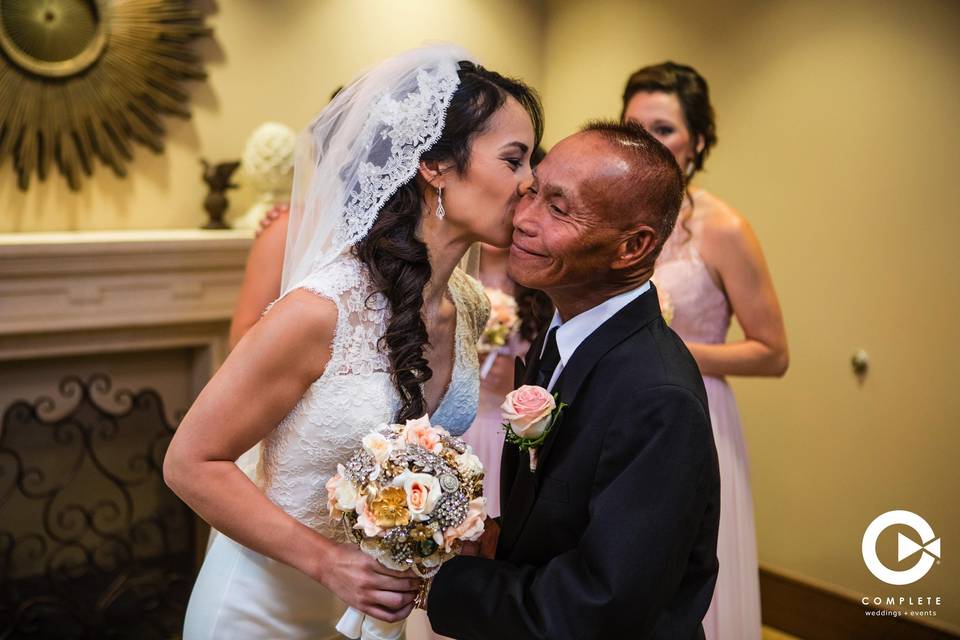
(410, 165)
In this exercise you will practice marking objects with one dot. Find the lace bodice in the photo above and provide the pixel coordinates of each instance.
(701, 311)
(355, 393)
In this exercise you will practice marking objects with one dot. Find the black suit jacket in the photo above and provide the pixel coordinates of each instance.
(615, 534)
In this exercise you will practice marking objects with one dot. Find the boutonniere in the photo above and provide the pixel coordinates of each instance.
(529, 414)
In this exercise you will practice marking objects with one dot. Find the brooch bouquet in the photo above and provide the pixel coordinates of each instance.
(410, 496)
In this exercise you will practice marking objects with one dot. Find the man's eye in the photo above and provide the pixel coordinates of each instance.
(557, 209)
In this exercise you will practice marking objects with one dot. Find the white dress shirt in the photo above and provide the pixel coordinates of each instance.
(573, 332)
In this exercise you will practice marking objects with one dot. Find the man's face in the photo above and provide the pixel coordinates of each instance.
(565, 234)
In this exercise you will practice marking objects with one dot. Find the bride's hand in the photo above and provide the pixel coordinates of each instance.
(368, 586)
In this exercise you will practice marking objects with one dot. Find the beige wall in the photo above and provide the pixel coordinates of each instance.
(839, 140)
(276, 60)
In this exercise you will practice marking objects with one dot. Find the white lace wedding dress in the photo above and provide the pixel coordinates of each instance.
(241, 594)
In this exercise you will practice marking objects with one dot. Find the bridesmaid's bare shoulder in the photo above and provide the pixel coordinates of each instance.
(718, 225)
(715, 216)
(726, 236)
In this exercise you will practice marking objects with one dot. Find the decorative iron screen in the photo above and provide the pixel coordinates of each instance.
(92, 542)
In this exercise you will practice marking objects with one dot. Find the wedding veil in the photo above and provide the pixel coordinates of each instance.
(360, 149)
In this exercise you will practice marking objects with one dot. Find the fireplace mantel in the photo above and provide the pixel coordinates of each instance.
(106, 338)
(95, 292)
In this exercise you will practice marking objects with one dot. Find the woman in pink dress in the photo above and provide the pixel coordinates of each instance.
(712, 267)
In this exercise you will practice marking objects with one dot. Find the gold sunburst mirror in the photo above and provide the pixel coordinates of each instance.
(85, 78)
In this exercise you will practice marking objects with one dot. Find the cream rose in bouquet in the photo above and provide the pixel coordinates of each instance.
(410, 496)
(501, 324)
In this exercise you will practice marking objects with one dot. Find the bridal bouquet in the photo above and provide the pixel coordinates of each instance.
(410, 496)
(503, 321)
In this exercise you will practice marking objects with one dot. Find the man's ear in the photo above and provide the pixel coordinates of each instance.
(432, 173)
(635, 250)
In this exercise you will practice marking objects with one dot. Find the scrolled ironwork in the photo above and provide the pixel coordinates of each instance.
(92, 543)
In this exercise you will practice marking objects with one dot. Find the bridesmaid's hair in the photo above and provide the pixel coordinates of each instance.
(397, 259)
(534, 309)
(693, 94)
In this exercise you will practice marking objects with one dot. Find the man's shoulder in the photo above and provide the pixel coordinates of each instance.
(654, 356)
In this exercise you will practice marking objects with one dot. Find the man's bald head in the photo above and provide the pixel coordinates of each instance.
(647, 186)
(595, 215)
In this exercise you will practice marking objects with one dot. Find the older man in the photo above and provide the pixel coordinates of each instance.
(614, 533)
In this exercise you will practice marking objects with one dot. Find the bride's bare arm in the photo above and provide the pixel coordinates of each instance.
(261, 381)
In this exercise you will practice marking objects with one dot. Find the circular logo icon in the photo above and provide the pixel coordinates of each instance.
(928, 547)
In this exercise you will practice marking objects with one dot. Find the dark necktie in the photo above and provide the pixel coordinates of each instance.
(549, 360)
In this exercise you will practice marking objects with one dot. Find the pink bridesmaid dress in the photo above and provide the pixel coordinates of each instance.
(701, 314)
(486, 434)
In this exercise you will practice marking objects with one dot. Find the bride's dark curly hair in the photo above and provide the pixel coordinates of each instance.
(397, 259)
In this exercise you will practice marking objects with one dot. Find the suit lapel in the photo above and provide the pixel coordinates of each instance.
(532, 362)
(618, 328)
(516, 481)
(615, 330)
(519, 371)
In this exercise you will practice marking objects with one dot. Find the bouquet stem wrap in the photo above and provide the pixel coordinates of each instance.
(357, 625)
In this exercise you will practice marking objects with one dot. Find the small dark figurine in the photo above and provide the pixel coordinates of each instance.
(217, 178)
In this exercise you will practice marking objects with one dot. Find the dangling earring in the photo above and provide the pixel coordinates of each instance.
(440, 210)
(691, 169)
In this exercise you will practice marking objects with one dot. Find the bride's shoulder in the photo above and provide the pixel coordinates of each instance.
(299, 328)
(340, 276)
(307, 315)
(471, 297)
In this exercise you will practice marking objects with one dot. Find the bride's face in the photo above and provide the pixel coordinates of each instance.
(483, 198)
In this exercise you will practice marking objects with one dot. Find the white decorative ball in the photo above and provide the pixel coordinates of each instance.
(268, 157)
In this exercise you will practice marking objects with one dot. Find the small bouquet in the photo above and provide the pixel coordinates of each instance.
(666, 302)
(503, 321)
(529, 413)
(410, 497)
(666, 306)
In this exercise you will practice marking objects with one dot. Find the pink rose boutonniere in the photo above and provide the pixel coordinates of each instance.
(529, 414)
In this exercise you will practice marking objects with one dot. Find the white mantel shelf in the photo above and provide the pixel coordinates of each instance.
(158, 237)
(53, 284)
(26, 254)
